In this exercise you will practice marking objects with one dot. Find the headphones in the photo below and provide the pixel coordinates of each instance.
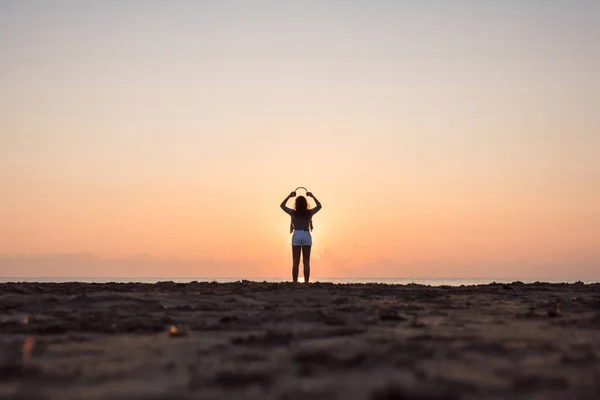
(301, 187)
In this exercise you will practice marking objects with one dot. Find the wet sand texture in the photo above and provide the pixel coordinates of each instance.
(251, 340)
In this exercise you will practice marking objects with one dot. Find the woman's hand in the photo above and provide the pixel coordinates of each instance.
(293, 194)
(309, 194)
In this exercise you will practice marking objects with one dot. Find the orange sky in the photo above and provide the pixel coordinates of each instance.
(463, 142)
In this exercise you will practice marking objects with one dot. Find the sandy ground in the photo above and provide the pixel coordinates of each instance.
(251, 340)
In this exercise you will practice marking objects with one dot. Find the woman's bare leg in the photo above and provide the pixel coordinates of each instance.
(296, 262)
(306, 261)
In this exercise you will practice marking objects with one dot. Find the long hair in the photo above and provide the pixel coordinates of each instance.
(301, 206)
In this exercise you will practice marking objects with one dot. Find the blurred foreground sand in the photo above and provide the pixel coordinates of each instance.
(252, 340)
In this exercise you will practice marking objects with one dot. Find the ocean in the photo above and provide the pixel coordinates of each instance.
(390, 281)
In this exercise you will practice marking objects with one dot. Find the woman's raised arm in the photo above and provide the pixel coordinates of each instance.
(318, 207)
(284, 202)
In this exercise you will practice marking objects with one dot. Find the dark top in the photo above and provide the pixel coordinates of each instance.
(302, 222)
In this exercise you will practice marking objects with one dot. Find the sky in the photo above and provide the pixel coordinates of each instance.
(158, 138)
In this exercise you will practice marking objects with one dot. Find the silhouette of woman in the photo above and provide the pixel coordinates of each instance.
(301, 216)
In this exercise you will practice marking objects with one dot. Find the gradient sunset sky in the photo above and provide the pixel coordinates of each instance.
(157, 138)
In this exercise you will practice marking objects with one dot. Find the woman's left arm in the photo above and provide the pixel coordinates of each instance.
(318, 207)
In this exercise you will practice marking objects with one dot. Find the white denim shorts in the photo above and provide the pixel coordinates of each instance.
(301, 238)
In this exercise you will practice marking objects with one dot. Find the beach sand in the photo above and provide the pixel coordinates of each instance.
(252, 340)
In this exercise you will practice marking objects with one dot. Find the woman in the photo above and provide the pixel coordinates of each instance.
(301, 225)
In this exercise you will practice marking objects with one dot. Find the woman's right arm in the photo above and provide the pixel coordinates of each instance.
(284, 202)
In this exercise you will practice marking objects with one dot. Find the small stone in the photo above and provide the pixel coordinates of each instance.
(553, 313)
(177, 332)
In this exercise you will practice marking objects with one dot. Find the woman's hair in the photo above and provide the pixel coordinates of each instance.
(301, 206)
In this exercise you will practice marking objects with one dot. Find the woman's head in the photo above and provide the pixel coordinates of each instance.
(301, 205)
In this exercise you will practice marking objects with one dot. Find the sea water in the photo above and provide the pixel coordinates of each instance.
(389, 281)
